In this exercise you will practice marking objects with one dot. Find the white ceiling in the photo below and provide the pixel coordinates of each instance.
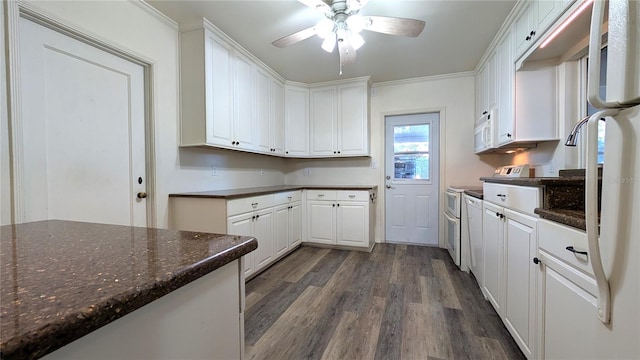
(454, 39)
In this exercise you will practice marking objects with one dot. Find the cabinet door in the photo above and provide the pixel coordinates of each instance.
(492, 81)
(219, 90)
(321, 222)
(570, 323)
(243, 103)
(243, 225)
(522, 30)
(481, 92)
(352, 224)
(506, 70)
(262, 128)
(281, 229)
(548, 11)
(296, 121)
(276, 127)
(520, 242)
(323, 120)
(492, 232)
(353, 120)
(295, 225)
(263, 231)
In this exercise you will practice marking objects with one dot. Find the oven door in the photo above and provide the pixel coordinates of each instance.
(452, 237)
(453, 203)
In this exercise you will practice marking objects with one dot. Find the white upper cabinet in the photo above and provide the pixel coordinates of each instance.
(276, 120)
(339, 120)
(536, 17)
(353, 119)
(323, 120)
(487, 87)
(506, 69)
(227, 98)
(296, 120)
(243, 100)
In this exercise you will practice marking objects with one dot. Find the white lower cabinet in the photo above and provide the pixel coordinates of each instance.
(287, 232)
(510, 243)
(567, 295)
(340, 217)
(258, 224)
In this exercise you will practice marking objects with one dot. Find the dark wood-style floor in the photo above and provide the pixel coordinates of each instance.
(397, 302)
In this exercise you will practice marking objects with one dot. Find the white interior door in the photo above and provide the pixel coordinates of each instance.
(411, 168)
(83, 131)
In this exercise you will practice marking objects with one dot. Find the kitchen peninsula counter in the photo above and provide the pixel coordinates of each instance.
(62, 280)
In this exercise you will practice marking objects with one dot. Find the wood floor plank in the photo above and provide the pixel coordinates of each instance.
(365, 341)
(449, 297)
(490, 349)
(390, 338)
(436, 336)
(463, 345)
(414, 345)
(340, 343)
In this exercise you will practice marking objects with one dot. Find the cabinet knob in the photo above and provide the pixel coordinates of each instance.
(142, 195)
(333, 205)
(484, 113)
(334, 152)
(286, 152)
(508, 135)
(532, 33)
(338, 205)
(257, 216)
(338, 151)
(536, 261)
(528, 38)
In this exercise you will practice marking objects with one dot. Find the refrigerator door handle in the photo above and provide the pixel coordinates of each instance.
(591, 210)
(595, 44)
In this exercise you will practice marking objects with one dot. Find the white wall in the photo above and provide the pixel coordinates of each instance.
(135, 29)
(5, 177)
(454, 95)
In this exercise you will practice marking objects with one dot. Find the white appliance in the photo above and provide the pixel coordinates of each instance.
(615, 255)
(473, 208)
(455, 223)
(483, 139)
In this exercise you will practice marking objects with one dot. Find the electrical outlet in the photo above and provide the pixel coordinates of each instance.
(262, 172)
(374, 164)
(214, 170)
(307, 172)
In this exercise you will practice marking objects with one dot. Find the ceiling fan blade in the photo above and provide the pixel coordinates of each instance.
(295, 37)
(317, 5)
(394, 25)
(347, 53)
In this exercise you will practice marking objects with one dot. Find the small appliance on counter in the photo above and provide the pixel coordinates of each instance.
(455, 223)
(514, 171)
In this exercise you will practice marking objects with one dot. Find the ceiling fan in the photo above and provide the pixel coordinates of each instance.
(343, 24)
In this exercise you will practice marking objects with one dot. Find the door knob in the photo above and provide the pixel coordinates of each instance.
(142, 195)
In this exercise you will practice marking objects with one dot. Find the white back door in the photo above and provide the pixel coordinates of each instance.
(411, 168)
(83, 131)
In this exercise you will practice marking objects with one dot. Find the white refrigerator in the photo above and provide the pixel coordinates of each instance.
(614, 245)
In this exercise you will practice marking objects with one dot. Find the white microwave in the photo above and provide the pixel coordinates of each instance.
(483, 139)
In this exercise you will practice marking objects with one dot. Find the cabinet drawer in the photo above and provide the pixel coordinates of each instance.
(554, 239)
(321, 195)
(352, 195)
(519, 198)
(243, 205)
(286, 197)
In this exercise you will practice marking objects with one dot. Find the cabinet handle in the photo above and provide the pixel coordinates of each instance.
(352, 196)
(320, 195)
(570, 248)
(502, 196)
(536, 261)
(254, 205)
(484, 113)
(289, 197)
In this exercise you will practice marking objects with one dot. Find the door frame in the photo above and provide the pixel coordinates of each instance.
(14, 11)
(441, 173)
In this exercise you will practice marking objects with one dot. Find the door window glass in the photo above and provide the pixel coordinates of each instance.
(411, 152)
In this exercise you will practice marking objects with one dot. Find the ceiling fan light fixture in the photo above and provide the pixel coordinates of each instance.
(356, 23)
(324, 28)
(329, 43)
(356, 40)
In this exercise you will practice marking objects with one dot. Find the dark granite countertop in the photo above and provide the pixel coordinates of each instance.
(537, 181)
(573, 218)
(255, 191)
(62, 279)
(478, 194)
